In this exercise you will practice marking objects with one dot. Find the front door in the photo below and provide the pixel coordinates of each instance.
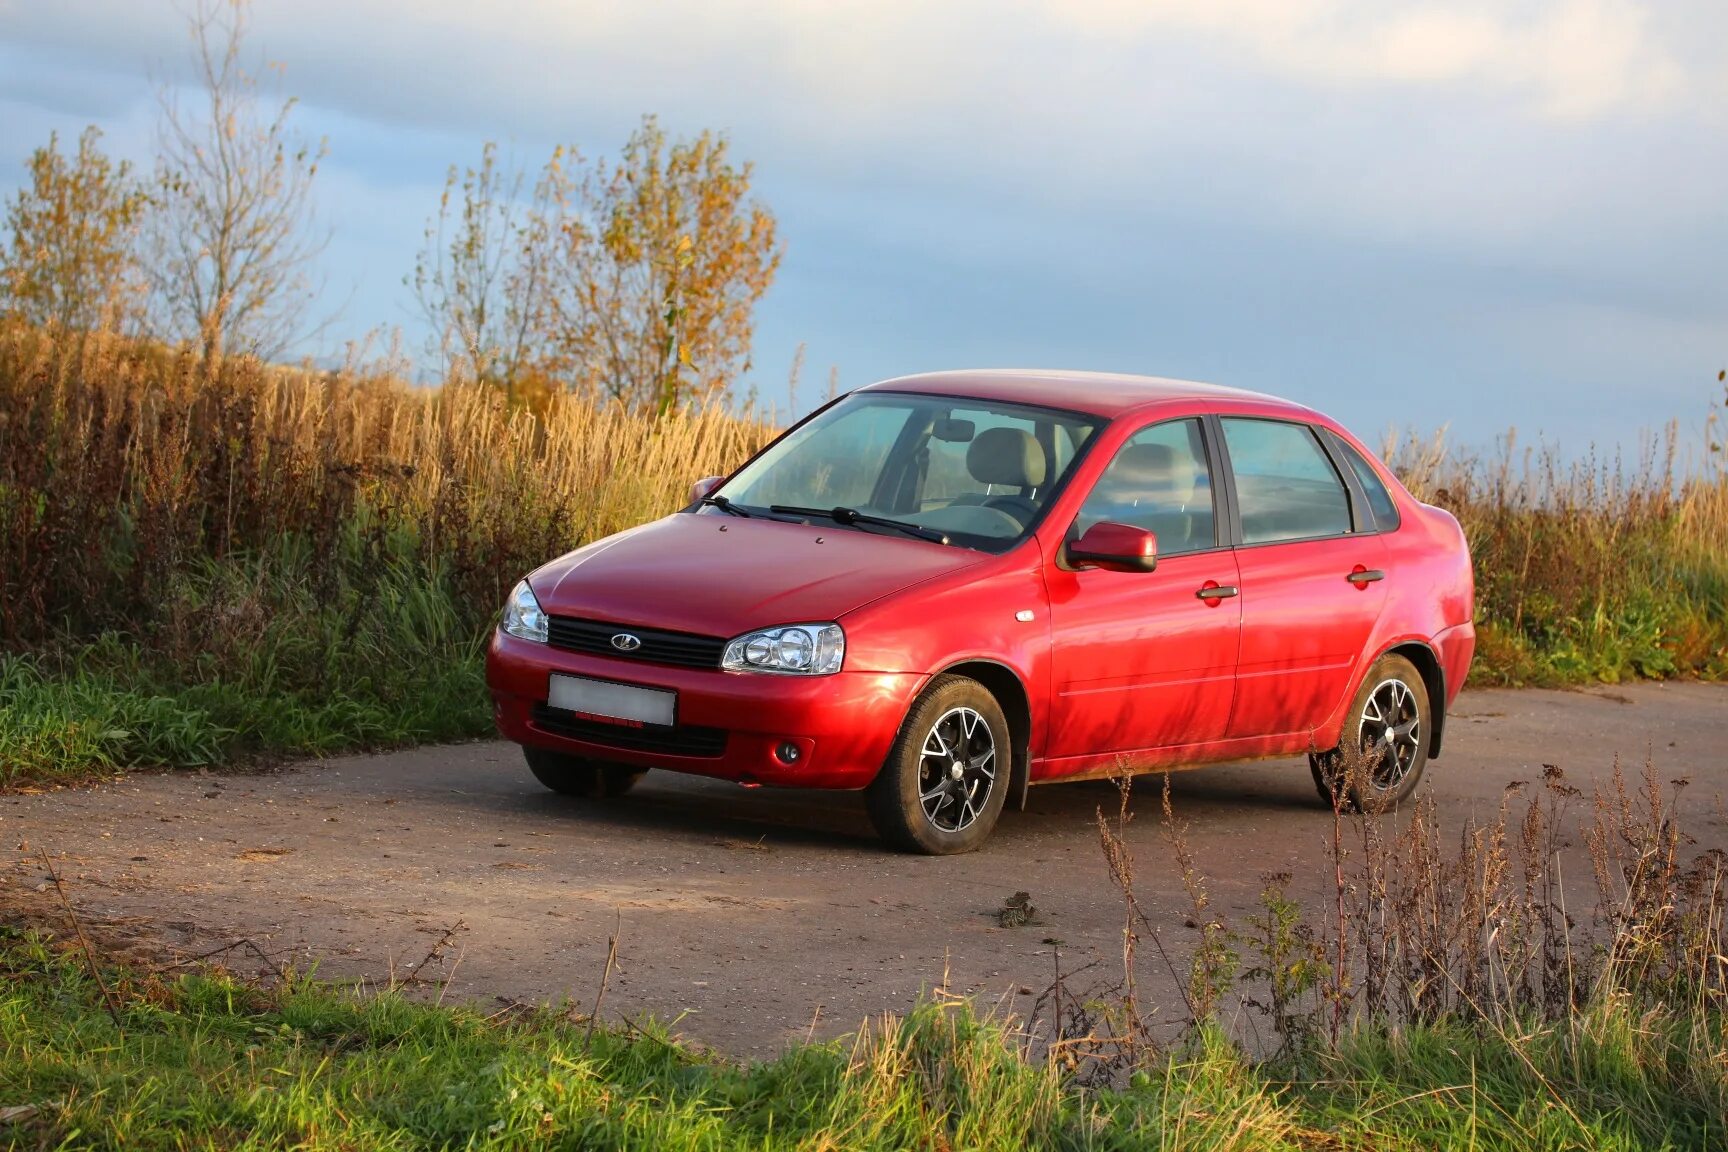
(1146, 660)
(1312, 585)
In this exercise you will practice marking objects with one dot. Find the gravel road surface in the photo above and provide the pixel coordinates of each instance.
(749, 917)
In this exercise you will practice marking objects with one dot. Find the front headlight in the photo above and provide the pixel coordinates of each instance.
(796, 649)
(522, 615)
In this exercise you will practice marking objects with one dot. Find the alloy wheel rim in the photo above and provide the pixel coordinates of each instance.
(1390, 733)
(956, 769)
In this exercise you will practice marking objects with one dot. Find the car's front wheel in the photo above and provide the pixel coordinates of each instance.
(946, 777)
(576, 776)
(1384, 745)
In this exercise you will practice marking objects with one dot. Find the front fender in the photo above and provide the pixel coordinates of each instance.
(998, 619)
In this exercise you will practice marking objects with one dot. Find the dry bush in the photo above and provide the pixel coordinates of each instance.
(1478, 925)
(1430, 927)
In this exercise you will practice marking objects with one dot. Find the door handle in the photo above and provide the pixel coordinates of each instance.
(1217, 592)
(1364, 575)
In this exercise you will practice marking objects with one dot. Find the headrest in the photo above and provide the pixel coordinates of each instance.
(1153, 471)
(1006, 456)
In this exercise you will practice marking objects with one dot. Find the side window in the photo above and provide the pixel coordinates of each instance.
(1285, 484)
(1379, 499)
(1158, 481)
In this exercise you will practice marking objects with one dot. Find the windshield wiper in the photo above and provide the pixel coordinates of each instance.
(853, 516)
(725, 505)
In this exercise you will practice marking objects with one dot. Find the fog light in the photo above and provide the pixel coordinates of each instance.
(787, 753)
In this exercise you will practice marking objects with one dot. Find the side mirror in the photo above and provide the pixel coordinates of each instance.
(704, 486)
(1115, 548)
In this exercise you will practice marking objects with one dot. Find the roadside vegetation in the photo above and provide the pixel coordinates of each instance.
(205, 560)
(1455, 1006)
(1590, 570)
(201, 563)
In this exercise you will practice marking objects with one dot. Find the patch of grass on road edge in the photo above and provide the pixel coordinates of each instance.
(266, 669)
(205, 1060)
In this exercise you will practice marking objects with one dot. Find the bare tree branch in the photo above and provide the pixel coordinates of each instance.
(233, 240)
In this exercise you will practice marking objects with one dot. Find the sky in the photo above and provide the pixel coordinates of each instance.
(1477, 215)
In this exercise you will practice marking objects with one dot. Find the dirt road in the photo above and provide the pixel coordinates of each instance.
(747, 916)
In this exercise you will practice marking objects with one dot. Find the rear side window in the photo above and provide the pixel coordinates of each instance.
(1379, 499)
(1286, 486)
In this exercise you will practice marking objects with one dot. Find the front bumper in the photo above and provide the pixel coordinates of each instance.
(842, 725)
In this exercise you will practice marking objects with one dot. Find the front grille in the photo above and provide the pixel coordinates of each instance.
(685, 740)
(594, 637)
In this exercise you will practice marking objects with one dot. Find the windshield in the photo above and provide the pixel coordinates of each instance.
(977, 471)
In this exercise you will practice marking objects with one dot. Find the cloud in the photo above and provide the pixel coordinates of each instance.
(855, 59)
(1570, 60)
(1485, 124)
(1341, 191)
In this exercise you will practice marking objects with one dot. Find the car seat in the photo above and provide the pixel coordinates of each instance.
(1010, 457)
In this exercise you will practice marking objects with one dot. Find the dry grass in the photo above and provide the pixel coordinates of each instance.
(124, 465)
(1586, 569)
(1559, 912)
(198, 565)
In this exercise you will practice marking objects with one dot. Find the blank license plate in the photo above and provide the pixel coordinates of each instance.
(624, 702)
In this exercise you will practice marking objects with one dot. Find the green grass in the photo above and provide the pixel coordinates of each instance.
(254, 661)
(206, 1062)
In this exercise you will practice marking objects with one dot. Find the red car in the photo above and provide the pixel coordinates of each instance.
(944, 588)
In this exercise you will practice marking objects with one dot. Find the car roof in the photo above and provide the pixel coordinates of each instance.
(1107, 394)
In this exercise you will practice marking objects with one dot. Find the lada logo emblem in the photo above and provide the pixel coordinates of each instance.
(625, 642)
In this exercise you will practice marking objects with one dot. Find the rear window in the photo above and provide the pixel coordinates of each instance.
(1379, 499)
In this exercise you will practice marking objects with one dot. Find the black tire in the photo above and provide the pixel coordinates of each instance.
(917, 802)
(575, 776)
(1383, 746)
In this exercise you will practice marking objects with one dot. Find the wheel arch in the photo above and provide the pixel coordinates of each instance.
(1420, 654)
(1005, 685)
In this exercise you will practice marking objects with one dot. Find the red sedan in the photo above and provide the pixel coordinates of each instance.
(942, 589)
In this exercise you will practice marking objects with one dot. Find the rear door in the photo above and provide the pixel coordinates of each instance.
(1311, 570)
(1147, 659)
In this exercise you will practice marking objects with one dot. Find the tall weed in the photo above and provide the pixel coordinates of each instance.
(202, 560)
(1586, 569)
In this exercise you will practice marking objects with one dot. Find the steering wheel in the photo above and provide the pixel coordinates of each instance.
(1019, 507)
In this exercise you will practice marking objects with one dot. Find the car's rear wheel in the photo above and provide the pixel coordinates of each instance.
(947, 775)
(576, 776)
(1384, 744)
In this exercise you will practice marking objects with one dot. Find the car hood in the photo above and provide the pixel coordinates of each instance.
(724, 575)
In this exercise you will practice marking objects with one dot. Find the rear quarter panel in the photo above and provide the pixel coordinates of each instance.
(1430, 592)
